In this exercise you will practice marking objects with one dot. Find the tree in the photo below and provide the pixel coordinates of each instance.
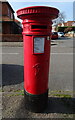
(60, 19)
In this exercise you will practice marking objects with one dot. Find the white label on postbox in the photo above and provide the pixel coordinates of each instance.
(39, 44)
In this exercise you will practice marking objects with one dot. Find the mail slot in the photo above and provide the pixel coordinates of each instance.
(37, 25)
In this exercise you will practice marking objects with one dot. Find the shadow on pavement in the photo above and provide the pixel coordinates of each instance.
(53, 44)
(55, 105)
(61, 105)
(11, 74)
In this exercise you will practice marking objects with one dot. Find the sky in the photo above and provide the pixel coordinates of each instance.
(66, 7)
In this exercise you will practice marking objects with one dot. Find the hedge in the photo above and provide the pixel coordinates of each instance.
(62, 29)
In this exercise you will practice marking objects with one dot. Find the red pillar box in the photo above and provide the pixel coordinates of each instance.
(37, 25)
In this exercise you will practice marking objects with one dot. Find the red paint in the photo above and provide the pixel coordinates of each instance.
(37, 22)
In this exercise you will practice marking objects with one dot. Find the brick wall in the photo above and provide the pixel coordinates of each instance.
(11, 38)
(11, 27)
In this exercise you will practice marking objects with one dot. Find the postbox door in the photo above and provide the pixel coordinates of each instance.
(36, 62)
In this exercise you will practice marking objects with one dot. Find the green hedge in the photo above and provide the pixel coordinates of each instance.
(62, 29)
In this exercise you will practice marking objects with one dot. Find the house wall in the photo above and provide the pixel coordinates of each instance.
(68, 23)
(11, 28)
(5, 28)
(11, 38)
(10, 31)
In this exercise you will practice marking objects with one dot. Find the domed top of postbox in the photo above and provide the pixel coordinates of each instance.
(44, 11)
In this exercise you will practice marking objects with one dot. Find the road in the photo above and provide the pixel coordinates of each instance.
(61, 69)
(61, 66)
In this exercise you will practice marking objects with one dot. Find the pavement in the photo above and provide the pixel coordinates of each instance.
(61, 65)
(61, 99)
(11, 44)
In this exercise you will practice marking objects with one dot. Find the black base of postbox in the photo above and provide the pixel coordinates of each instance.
(36, 103)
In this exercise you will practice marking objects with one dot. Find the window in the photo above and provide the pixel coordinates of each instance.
(0, 27)
(11, 15)
(8, 12)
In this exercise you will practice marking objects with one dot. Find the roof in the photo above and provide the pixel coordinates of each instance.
(69, 21)
(4, 1)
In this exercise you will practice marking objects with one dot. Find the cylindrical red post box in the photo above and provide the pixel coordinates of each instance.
(37, 25)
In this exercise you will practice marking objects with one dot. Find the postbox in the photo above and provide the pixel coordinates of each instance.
(37, 25)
